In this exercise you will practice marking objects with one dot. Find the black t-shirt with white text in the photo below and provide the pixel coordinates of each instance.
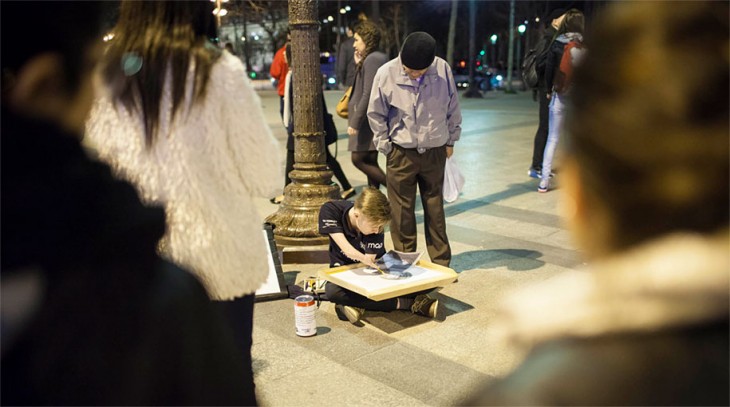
(333, 218)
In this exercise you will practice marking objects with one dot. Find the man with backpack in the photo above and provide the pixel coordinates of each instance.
(563, 55)
(555, 17)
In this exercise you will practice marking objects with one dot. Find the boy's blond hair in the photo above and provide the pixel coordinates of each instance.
(372, 204)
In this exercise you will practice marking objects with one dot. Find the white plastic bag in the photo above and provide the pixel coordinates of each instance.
(453, 181)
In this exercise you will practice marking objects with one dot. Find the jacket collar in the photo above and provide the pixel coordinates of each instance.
(402, 79)
(676, 281)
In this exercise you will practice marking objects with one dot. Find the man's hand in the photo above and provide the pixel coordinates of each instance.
(351, 132)
(449, 151)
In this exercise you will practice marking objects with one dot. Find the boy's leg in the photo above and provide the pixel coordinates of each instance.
(343, 296)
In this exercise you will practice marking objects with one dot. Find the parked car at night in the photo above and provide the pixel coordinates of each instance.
(327, 64)
(483, 80)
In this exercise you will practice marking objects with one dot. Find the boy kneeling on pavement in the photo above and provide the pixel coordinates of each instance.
(356, 235)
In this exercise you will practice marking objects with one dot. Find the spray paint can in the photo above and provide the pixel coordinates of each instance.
(304, 318)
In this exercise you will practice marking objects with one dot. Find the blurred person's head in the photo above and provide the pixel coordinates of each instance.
(647, 138)
(572, 21)
(367, 38)
(350, 30)
(150, 38)
(46, 67)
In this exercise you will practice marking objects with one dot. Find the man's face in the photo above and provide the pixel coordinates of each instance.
(414, 73)
(556, 22)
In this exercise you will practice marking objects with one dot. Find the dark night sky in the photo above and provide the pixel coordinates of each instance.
(432, 16)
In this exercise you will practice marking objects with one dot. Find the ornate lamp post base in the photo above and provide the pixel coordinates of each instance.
(297, 220)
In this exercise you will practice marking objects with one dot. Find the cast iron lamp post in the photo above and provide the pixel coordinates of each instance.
(296, 221)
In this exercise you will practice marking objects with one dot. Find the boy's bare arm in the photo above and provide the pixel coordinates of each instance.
(351, 252)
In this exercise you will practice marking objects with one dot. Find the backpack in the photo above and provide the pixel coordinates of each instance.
(534, 64)
(572, 55)
(529, 69)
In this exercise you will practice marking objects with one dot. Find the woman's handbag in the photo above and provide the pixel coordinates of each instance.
(341, 108)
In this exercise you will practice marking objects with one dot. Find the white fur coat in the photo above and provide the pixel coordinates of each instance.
(205, 167)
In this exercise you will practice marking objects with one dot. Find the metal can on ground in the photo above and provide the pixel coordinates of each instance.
(304, 315)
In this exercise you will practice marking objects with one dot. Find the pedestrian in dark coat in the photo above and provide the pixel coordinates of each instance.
(555, 18)
(369, 60)
(346, 66)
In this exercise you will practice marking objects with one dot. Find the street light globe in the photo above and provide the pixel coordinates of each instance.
(521, 28)
(347, 8)
(330, 18)
(343, 11)
(222, 12)
(493, 38)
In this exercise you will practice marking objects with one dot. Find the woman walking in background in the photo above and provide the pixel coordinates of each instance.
(177, 117)
(368, 59)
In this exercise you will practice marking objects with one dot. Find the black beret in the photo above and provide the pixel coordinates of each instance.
(418, 51)
(555, 14)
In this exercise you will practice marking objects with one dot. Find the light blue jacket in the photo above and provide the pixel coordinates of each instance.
(414, 114)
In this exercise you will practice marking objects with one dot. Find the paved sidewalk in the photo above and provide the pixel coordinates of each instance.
(503, 235)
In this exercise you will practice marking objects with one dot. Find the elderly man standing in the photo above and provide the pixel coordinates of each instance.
(415, 117)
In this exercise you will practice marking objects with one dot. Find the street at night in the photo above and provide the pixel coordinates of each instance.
(503, 233)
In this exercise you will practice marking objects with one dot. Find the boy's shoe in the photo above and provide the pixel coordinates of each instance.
(425, 306)
(543, 185)
(348, 193)
(348, 313)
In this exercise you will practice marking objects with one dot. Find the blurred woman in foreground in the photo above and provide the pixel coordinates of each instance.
(178, 119)
(646, 196)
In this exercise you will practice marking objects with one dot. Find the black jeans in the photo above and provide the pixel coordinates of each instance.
(542, 130)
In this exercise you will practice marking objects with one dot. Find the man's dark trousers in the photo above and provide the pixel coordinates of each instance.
(406, 170)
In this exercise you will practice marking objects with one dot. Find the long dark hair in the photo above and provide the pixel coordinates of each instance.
(371, 35)
(162, 36)
(573, 22)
